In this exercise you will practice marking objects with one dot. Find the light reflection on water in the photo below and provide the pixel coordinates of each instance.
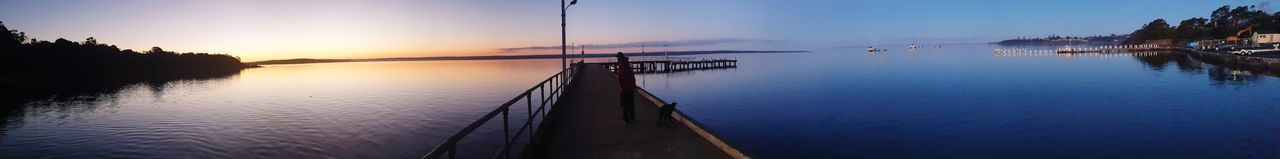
(343, 110)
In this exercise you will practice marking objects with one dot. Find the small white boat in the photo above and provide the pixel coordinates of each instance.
(873, 49)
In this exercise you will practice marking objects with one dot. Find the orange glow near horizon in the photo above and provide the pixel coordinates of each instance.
(272, 30)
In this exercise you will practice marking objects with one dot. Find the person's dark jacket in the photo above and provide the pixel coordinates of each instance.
(626, 78)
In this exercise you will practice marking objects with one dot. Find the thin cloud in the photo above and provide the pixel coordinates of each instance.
(680, 43)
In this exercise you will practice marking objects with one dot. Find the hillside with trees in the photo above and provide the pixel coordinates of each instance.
(34, 69)
(89, 58)
(1222, 23)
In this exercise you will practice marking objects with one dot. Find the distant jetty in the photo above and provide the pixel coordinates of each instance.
(510, 57)
(1093, 49)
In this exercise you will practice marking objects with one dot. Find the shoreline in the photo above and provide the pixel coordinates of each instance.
(1235, 60)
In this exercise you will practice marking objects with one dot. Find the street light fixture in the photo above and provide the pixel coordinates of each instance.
(564, 47)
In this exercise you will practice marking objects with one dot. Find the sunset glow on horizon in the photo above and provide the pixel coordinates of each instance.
(267, 30)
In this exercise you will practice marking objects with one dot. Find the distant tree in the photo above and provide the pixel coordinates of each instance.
(1155, 30)
(1220, 20)
(62, 41)
(155, 49)
(1193, 28)
(10, 38)
(159, 51)
(62, 46)
(91, 41)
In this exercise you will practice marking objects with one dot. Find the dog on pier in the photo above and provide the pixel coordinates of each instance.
(664, 114)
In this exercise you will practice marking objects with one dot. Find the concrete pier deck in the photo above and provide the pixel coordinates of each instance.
(587, 124)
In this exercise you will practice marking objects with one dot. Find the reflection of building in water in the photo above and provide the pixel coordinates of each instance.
(1218, 72)
(1227, 76)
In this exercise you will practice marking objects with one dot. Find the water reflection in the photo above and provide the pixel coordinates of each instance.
(1160, 61)
(67, 96)
(1219, 72)
(1226, 76)
(331, 110)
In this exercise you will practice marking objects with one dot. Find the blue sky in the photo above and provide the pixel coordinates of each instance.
(259, 30)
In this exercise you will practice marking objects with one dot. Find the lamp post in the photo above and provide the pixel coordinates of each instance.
(666, 50)
(564, 47)
(572, 51)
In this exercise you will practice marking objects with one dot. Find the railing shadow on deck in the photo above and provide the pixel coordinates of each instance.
(547, 97)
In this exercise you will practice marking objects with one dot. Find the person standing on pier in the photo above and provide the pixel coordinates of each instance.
(626, 88)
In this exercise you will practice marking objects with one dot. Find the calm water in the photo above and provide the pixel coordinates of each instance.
(333, 110)
(963, 102)
(957, 101)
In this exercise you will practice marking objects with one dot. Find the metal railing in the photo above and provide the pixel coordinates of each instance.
(547, 97)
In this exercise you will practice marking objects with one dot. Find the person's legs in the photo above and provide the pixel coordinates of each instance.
(631, 113)
(629, 105)
(622, 103)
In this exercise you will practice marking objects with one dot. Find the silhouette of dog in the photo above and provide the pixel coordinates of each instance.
(664, 114)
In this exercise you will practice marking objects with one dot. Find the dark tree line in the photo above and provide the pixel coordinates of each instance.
(33, 69)
(89, 58)
(1222, 22)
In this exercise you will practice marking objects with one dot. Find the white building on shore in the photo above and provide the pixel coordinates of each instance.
(1266, 38)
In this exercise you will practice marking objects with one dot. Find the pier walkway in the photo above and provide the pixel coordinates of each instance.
(587, 124)
(581, 118)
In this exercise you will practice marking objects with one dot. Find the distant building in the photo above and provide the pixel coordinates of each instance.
(1266, 38)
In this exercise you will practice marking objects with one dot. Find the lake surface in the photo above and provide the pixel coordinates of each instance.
(959, 101)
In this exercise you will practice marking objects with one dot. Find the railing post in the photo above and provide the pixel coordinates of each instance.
(555, 87)
(543, 109)
(529, 104)
(506, 137)
(542, 95)
(453, 149)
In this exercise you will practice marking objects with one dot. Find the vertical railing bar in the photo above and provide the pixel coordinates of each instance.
(555, 87)
(453, 149)
(529, 122)
(543, 97)
(506, 139)
(543, 94)
(544, 104)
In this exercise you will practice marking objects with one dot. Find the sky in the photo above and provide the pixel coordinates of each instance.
(256, 30)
